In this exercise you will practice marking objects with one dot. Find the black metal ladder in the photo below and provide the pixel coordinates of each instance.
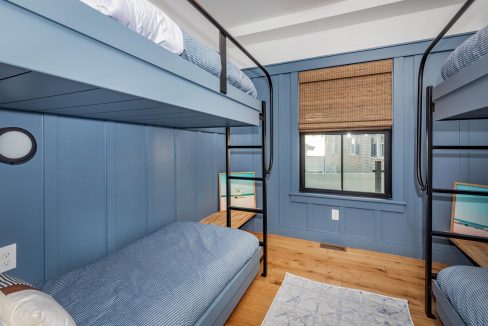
(263, 179)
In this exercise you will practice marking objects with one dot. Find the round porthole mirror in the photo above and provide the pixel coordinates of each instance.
(17, 145)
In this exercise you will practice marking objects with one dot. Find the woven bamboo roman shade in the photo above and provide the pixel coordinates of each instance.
(351, 97)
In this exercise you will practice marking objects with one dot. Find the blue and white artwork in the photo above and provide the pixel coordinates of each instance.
(243, 192)
(470, 213)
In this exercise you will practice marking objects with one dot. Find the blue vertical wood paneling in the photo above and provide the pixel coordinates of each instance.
(207, 178)
(95, 186)
(127, 174)
(81, 192)
(160, 177)
(186, 175)
(50, 193)
(219, 161)
(22, 222)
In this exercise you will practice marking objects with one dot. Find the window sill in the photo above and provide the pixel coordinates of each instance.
(349, 201)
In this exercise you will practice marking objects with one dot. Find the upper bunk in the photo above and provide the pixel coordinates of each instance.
(464, 92)
(62, 57)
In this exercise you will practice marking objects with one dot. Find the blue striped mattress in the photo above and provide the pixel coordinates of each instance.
(209, 59)
(466, 287)
(468, 52)
(167, 278)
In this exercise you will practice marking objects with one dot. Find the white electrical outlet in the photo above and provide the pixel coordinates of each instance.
(8, 258)
(335, 215)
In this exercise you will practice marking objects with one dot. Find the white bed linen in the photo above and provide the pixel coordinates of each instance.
(144, 18)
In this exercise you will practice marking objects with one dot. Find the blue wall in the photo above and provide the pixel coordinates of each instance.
(95, 186)
(395, 225)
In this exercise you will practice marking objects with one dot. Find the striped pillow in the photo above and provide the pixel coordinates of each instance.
(10, 284)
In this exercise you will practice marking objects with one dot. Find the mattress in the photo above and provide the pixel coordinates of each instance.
(170, 277)
(468, 52)
(209, 59)
(466, 287)
(151, 22)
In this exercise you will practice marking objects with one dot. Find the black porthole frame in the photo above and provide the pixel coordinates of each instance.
(26, 157)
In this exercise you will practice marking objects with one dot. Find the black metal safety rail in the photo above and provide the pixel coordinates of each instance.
(266, 167)
(223, 36)
(420, 89)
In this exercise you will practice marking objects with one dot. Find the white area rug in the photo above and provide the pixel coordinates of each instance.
(301, 301)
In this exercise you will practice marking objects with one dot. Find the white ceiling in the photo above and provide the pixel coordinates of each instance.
(285, 30)
(238, 12)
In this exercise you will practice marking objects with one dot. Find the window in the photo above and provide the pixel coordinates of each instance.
(374, 146)
(375, 141)
(355, 145)
(345, 121)
(358, 173)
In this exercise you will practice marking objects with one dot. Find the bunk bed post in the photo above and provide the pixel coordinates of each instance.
(265, 190)
(428, 213)
(227, 175)
(223, 62)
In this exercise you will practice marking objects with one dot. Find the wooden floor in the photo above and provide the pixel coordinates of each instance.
(385, 274)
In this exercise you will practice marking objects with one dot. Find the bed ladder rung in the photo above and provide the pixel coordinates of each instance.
(246, 209)
(245, 147)
(232, 177)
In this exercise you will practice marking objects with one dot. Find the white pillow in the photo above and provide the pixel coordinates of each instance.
(32, 307)
(144, 18)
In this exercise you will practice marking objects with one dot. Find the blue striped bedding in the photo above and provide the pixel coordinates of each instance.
(466, 287)
(167, 278)
(468, 52)
(209, 59)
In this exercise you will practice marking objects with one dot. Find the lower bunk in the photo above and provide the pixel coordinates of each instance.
(461, 294)
(184, 274)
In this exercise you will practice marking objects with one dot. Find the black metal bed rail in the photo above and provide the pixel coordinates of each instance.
(460, 147)
(460, 236)
(460, 192)
(420, 88)
(223, 36)
(232, 177)
(427, 185)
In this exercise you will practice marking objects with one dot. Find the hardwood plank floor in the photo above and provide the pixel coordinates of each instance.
(391, 275)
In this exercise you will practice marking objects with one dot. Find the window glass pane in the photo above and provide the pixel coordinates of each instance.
(373, 147)
(363, 171)
(323, 162)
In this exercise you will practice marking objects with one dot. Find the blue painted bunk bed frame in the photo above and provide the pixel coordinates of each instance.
(61, 57)
(456, 98)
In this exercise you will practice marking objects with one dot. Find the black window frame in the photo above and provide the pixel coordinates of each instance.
(388, 164)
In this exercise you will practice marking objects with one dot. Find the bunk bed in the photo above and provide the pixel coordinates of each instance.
(66, 58)
(461, 292)
(62, 57)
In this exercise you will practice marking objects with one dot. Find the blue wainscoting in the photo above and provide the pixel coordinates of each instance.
(96, 186)
(396, 225)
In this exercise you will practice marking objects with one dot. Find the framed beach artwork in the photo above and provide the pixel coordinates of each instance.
(243, 192)
(470, 213)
